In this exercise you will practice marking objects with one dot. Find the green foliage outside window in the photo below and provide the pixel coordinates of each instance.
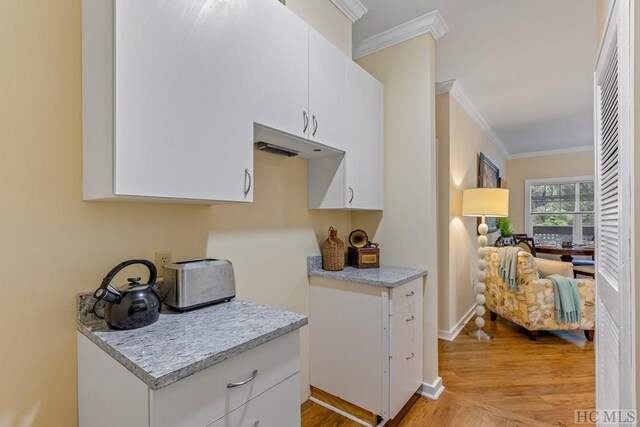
(555, 208)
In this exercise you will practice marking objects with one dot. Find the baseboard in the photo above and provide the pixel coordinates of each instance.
(453, 333)
(434, 390)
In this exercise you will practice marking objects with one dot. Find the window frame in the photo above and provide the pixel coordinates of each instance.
(577, 224)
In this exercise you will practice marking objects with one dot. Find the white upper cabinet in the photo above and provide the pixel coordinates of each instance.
(167, 94)
(300, 78)
(356, 180)
(173, 91)
(327, 85)
(281, 69)
(364, 152)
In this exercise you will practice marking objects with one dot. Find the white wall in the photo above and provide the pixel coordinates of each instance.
(460, 141)
(407, 229)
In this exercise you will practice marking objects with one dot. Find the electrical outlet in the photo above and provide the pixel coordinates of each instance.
(162, 258)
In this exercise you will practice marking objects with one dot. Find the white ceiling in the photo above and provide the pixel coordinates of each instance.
(526, 65)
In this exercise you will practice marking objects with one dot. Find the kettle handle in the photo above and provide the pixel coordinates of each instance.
(105, 291)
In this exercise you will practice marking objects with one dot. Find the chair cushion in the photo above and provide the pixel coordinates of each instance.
(547, 267)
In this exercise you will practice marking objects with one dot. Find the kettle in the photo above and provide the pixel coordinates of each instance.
(137, 306)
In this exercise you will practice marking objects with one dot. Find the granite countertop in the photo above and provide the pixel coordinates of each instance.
(388, 277)
(181, 344)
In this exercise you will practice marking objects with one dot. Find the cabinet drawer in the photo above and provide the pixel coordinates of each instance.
(404, 295)
(277, 407)
(204, 397)
(406, 326)
(406, 375)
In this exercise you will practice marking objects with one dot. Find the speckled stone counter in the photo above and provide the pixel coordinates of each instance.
(388, 277)
(181, 344)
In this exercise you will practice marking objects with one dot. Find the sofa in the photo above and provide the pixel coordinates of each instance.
(532, 306)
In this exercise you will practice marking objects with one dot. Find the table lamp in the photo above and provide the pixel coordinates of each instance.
(483, 202)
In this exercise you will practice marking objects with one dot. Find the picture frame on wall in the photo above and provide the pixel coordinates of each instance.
(488, 177)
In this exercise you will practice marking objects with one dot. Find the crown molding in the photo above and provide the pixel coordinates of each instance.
(432, 22)
(444, 87)
(554, 152)
(352, 9)
(454, 89)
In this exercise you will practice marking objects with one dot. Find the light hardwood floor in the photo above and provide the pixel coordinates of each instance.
(510, 381)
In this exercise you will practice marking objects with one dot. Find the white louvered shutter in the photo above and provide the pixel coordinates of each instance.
(614, 383)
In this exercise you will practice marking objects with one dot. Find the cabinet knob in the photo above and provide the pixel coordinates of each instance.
(411, 356)
(254, 374)
(410, 294)
(410, 319)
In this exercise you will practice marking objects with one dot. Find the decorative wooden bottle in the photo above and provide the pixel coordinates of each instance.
(332, 252)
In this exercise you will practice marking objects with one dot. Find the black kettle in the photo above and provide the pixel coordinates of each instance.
(137, 306)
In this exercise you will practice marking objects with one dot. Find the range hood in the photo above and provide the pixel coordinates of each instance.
(281, 143)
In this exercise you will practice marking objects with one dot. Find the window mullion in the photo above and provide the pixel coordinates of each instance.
(577, 218)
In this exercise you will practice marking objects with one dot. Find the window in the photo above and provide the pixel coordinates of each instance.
(560, 210)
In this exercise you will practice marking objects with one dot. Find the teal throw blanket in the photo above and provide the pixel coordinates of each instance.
(508, 266)
(567, 299)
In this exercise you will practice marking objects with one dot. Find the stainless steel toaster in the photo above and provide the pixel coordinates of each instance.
(191, 284)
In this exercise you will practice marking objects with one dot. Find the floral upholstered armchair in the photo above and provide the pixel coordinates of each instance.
(532, 306)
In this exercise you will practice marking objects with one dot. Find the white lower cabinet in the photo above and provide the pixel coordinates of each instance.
(273, 408)
(366, 342)
(259, 385)
(406, 374)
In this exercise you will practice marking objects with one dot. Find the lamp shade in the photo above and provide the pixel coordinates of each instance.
(485, 202)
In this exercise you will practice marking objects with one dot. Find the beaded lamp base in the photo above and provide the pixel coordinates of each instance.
(481, 334)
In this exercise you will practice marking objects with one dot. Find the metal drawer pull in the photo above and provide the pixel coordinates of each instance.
(254, 374)
(411, 318)
(305, 119)
(247, 177)
(410, 294)
(315, 126)
(352, 194)
(411, 357)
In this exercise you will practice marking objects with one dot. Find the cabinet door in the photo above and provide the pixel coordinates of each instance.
(327, 85)
(183, 99)
(277, 407)
(281, 71)
(364, 157)
(406, 375)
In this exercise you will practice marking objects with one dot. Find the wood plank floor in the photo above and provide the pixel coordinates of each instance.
(510, 381)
